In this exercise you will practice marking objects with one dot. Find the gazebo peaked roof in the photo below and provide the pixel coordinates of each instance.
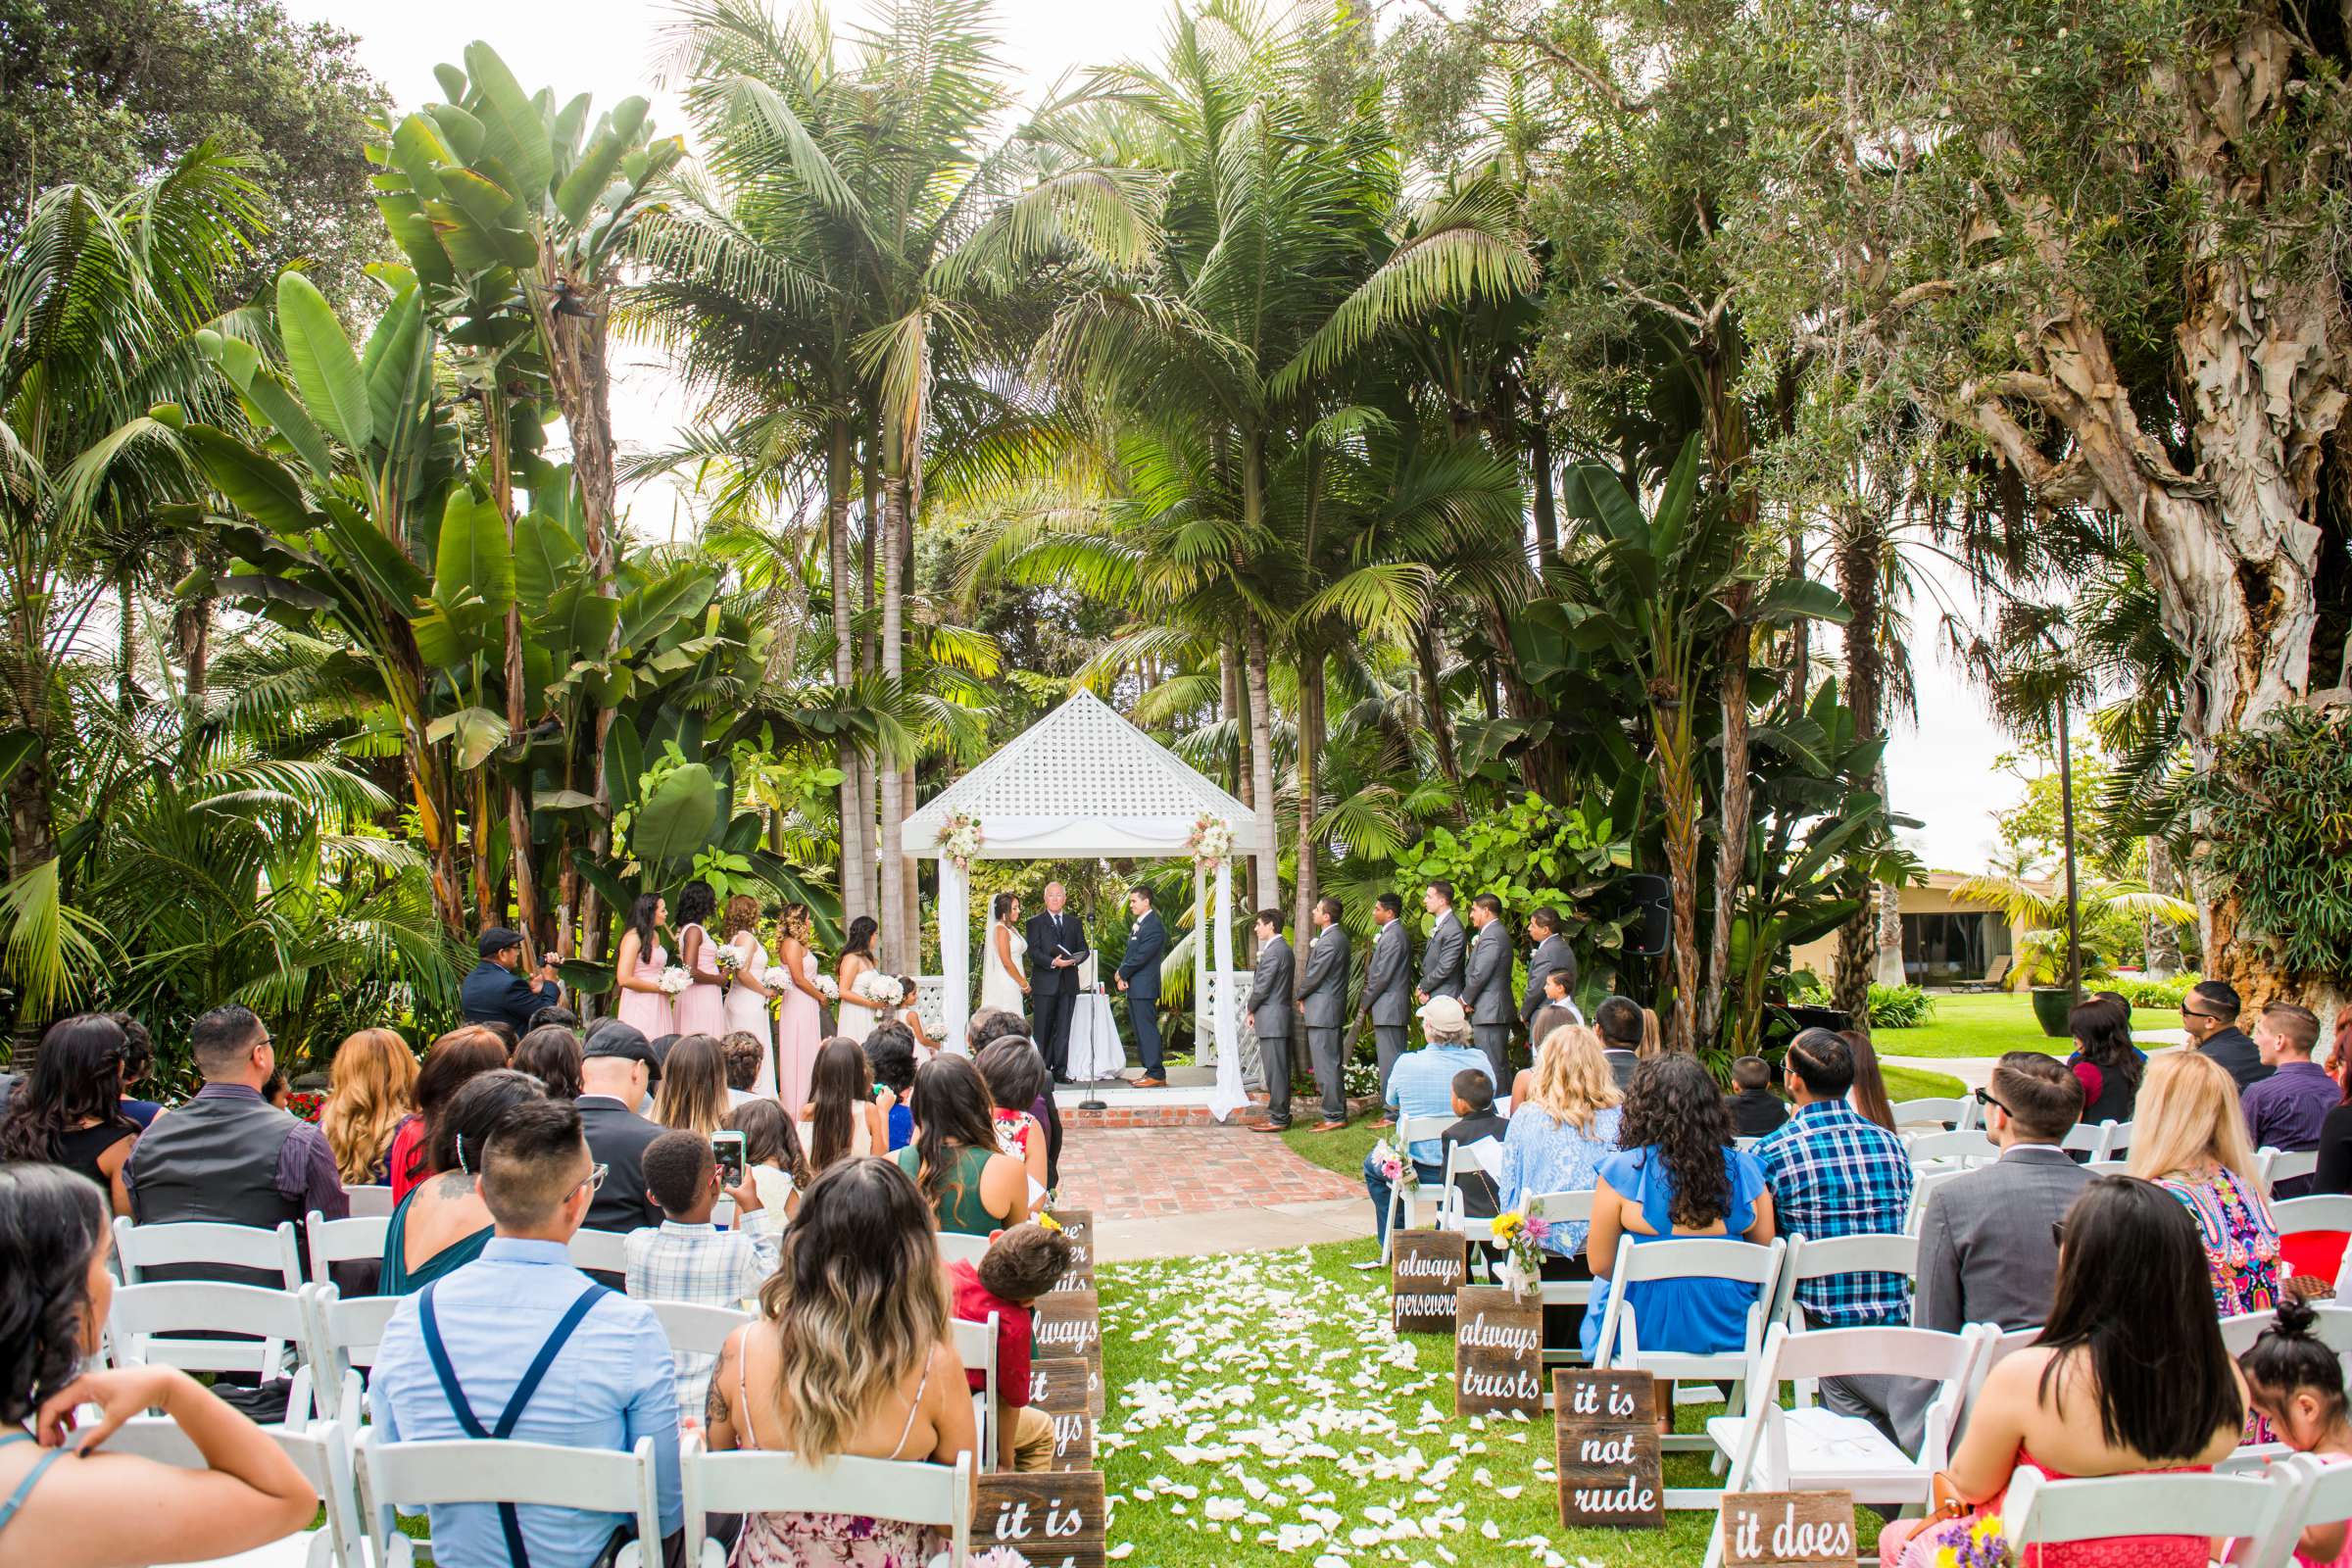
(1082, 780)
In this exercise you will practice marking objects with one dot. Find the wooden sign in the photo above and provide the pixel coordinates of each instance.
(1788, 1528)
(1078, 1224)
(1425, 1269)
(1498, 1352)
(1058, 1389)
(1070, 1323)
(1054, 1520)
(1607, 1427)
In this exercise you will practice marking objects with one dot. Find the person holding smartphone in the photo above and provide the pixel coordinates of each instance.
(688, 1259)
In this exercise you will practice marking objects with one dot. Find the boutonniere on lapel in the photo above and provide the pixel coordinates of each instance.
(1133, 929)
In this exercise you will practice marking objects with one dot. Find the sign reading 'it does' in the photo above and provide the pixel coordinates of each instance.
(1788, 1528)
(1053, 1520)
(1610, 1473)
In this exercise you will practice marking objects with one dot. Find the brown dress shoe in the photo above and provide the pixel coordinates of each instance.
(1149, 1081)
(1271, 1127)
(1330, 1126)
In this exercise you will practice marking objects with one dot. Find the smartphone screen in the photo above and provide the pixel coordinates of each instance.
(726, 1148)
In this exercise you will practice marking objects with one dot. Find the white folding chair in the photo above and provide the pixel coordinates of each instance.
(2263, 1158)
(2319, 1211)
(956, 1248)
(2108, 1167)
(598, 1252)
(368, 1202)
(1962, 1149)
(341, 1339)
(2002, 1345)
(2047, 1513)
(172, 1324)
(1957, 1113)
(1691, 1257)
(1923, 1185)
(1808, 1448)
(695, 1329)
(413, 1476)
(1867, 1253)
(343, 1241)
(2087, 1138)
(322, 1452)
(1411, 1130)
(976, 1344)
(2119, 1141)
(2321, 1494)
(2331, 1326)
(141, 1248)
(909, 1490)
(2286, 1164)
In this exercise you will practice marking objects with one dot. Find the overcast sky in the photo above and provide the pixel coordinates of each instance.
(1940, 767)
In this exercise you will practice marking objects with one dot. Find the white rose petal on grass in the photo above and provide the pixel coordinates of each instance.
(1489, 1528)
(1509, 1494)
(1121, 1551)
(1224, 1508)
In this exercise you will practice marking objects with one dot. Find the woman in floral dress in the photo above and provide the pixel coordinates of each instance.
(2189, 1137)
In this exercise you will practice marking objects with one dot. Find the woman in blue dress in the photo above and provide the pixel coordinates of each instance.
(1676, 1174)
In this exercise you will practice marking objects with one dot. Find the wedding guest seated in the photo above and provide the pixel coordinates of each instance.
(692, 1097)
(450, 1063)
(1421, 1083)
(443, 1224)
(687, 1258)
(1868, 1097)
(842, 1122)
(2322, 1252)
(100, 1507)
(139, 1060)
(2088, 1399)
(2286, 1109)
(552, 1053)
(992, 1024)
(1835, 1173)
(1557, 1013)
(1016, 1075)
(1618, 1020)
(743, 1055)
(1475, 1122)
(555, 1017)
(227, 1155)
(1557, 1140)
(2297, 1382)
(615, 1068)
(1018, 1268)
(468, 1337)
(2105, 1059)
(2209, 1017)
(852, 1355)
(771, 1146)
(69, 1110)
(1678, 1175)
(1755, 1110)
(973, 1188)
(371, 1089)
(889, 1054)
(2190, 1136)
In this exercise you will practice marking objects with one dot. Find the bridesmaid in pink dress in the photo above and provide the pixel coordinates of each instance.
(703, 1006)
(638, 966)
(800, 1022)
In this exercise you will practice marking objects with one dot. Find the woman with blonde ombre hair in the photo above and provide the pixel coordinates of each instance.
(853, 1357)
(692, 1097)
(2188, 1135)
(1558, 1137)
(370, 1086)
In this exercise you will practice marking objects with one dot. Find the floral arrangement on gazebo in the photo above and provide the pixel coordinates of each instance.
(959, 839)
(1211, 841)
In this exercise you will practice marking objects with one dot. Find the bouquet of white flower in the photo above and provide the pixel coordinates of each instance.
(776, 978)
(727, 961)
(826, 987)
(875, 986)
(675, 980)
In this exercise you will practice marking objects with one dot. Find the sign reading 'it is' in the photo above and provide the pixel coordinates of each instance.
(1053, 1520)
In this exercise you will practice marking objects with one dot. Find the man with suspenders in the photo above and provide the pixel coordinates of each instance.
(518, 1344)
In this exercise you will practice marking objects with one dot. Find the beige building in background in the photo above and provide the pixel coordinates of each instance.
(1945, 940)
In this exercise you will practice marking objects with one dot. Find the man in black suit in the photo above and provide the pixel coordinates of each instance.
(495, 992)
(2209, 1017)
(616, 1068)
(1056, 948)
(1551, 954)
(1139, 977)
(1442, 958)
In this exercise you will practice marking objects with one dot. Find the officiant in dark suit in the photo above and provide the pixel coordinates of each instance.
(1139, 978)
(1056, 948)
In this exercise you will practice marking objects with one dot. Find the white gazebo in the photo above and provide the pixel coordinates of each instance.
(1083, 781)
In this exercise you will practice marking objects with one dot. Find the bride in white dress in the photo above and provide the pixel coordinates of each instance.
(1003, 969)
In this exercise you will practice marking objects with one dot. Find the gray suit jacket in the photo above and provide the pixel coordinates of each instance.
(1442, 960)
(1389, 976)
(1985, 1255)
(1270, 991)
(1552, 953)
(1487, 992)
(1325, 992)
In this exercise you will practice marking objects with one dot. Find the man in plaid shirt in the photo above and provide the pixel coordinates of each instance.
(687, 1258)
(1835, 1173)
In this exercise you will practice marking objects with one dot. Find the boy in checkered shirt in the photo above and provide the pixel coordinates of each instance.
(686, 1258)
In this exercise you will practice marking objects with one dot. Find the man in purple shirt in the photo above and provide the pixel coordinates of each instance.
(227, 1155)
(2285, 1110)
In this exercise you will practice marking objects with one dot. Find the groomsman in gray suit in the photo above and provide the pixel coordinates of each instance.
(1324, 994)
(1442, 960)
(1487, 985)
(1388, 987)
(1270, 1017)
(1552, 953)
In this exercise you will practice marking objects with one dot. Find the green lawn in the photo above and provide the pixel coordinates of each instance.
(1261, 1411)
(1979, 1024)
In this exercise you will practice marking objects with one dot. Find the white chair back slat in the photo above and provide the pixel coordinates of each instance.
(2108, 1167)
(2331, 1326)
(1923, 1187)
(1966, 1147)
(140, 1248)
(2119, 1141)
(418, 1474)
(370, 1202)
(1956, 1113)
(2321, 1494)
(2088, 1137)
(697, 1329)
(598, 1252)
(343, 1241)
(269, 1323)
(322, 1452)
(1691, 1257)
(1868, 1252)
(342, 1334)
(976, 1344)
(2045, 1513)
(956, 1248)
(2288, 1164)
(908, 1490)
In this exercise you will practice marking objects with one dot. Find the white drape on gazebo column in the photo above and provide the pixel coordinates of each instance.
(956, 949)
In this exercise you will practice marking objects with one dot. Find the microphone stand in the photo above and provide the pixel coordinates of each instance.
(1094, 1100)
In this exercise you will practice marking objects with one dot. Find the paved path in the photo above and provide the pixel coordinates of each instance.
(1185, 1191)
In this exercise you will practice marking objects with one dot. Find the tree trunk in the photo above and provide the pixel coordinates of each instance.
(853, 892)
(1310, 752)
(897, 926)
(1547, 509)
(127, 646)
(2163, 940)
(517, 784)
(1860, 549)
(1229, 708)
(1731, 843)
(1265, 864)
(1679, 810)
(1433, 704)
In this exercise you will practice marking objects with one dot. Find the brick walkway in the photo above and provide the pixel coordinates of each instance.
(1131, 1173)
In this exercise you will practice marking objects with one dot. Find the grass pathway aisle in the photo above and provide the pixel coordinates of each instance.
(1261, 1411)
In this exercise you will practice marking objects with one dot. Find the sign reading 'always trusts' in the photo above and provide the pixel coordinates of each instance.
(1058, 1389)
(1498, 1352)
(1425, 1269)
(1053, 1520)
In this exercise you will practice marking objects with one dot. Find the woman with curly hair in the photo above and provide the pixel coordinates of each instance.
(370, 1088)
(1676, 1174)
(451, 1062)
(103, 1507)
(69, 1110)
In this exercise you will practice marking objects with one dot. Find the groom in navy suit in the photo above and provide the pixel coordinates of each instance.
(1139, 977)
